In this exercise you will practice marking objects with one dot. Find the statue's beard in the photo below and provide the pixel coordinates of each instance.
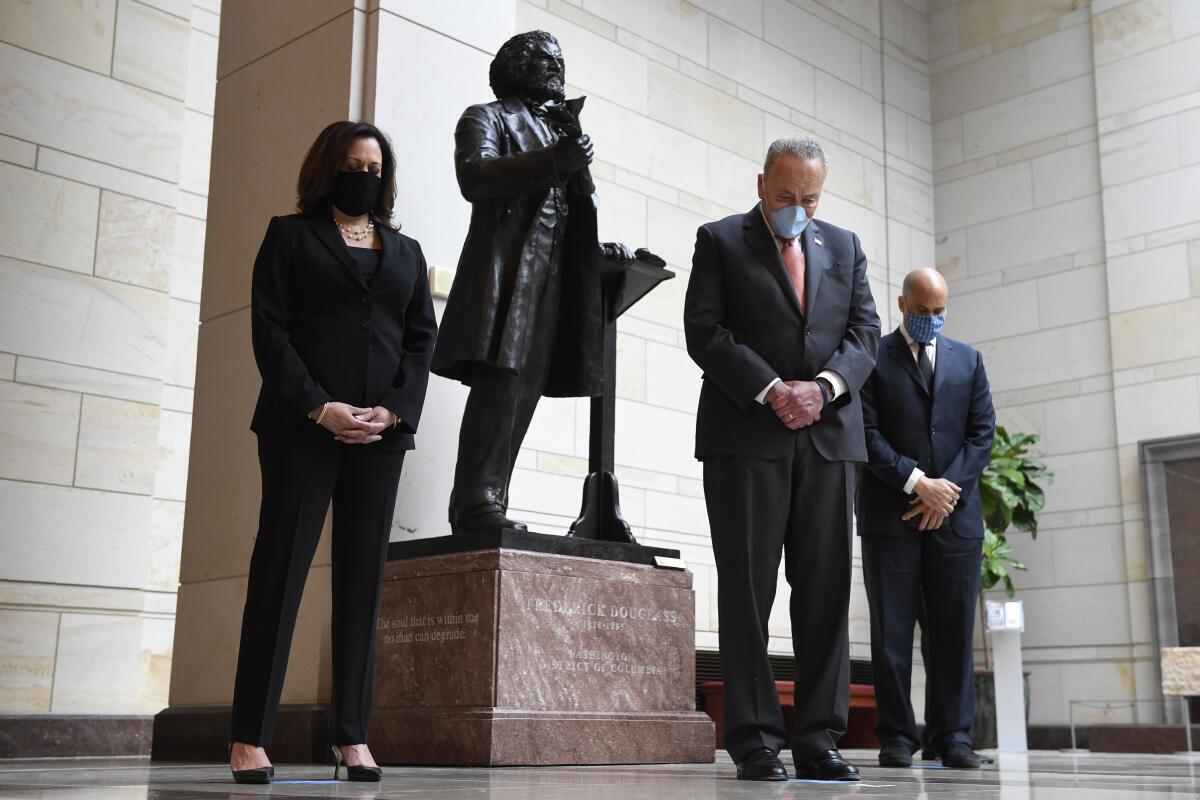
(545, 88)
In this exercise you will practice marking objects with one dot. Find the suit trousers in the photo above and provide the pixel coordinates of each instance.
(941, 570)
(500, 406)
(300, 477)
(797, 507)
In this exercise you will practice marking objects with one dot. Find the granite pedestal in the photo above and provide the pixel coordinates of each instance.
(503, 656)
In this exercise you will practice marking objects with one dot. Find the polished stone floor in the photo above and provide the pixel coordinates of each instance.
(1040, 775)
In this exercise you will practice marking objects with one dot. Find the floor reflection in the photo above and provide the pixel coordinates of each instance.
(1037, 776)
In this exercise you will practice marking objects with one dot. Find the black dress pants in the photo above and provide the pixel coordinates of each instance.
(797, 507)
(940, 569)
(500, 407)
(300, 475)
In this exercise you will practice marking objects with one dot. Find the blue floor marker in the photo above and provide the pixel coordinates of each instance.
(814, 780)
(847, 784)
(315, 782)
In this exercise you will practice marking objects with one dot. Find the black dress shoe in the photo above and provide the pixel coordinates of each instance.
(895, 754)
(959, 755)
(761, 765)
(827, 766)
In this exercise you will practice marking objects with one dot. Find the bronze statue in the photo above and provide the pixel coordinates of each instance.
(525, 314)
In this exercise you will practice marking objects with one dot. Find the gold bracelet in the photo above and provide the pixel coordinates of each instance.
(321, 416)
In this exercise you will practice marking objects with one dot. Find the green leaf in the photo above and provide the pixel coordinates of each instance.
(992, 505)
(1001, 516)
(1007, 495)
(1023, 440)
(1035, 474)
(1035, 498)
(1015, 477)
(1024, 520)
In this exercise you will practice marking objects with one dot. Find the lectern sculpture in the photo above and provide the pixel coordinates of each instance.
(526, 314)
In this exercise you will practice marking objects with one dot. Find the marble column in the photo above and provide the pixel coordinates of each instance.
(281, 76)
(284, 71)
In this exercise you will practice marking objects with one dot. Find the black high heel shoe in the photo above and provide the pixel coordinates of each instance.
(256, 775)
(355, 772)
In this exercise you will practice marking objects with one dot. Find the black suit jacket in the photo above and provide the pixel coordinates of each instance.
(321, 333)
(504, 160)
(744, 327)
(947, 434)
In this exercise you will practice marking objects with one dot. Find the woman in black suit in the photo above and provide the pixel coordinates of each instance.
(343, 332)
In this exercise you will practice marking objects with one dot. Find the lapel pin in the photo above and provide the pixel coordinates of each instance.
(818, 241)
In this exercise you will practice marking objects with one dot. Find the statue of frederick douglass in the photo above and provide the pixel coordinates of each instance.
(524, 317)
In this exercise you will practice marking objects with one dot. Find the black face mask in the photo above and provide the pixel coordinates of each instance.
(355, 193)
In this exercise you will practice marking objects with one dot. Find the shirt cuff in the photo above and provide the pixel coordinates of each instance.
(836, 381)
(917, 474)
(761, 399)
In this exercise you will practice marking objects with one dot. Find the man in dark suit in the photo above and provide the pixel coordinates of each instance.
(780, 318)
(929, 423)
(524, 317)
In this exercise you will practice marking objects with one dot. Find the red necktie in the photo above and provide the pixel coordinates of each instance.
(793, 261)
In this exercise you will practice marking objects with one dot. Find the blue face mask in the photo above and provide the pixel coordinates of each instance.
(789, 222)
(923, 329)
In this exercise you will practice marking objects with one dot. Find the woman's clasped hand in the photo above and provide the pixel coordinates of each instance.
(352, 424)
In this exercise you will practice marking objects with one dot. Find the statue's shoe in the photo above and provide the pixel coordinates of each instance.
(485, 522)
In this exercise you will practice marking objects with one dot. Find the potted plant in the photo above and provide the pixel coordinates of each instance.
(1011, 497)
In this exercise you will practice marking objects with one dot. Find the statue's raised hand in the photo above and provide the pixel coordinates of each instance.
(572, 153)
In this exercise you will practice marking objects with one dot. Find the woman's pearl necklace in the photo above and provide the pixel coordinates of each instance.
(358, 234)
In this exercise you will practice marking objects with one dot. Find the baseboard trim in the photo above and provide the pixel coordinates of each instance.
(202, 735)
(1057, 737)
(1117, 738)
(74, 735)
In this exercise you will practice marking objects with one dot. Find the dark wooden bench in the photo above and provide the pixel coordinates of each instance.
(860, 732)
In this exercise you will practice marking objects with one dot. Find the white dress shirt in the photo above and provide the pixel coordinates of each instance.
(931, 351)
(835, 380)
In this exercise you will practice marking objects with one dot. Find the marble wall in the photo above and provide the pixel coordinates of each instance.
(1067, 218)
(105, 119)
(1147, 74)
(1043, 154)
(682, 102)
(683, 99)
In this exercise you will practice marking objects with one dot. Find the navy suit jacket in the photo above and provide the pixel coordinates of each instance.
(744, 327)
(947, 434)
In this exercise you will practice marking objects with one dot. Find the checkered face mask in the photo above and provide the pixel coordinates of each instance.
(923, 329)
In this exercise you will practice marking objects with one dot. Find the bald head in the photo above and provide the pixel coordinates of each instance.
(924, 292)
